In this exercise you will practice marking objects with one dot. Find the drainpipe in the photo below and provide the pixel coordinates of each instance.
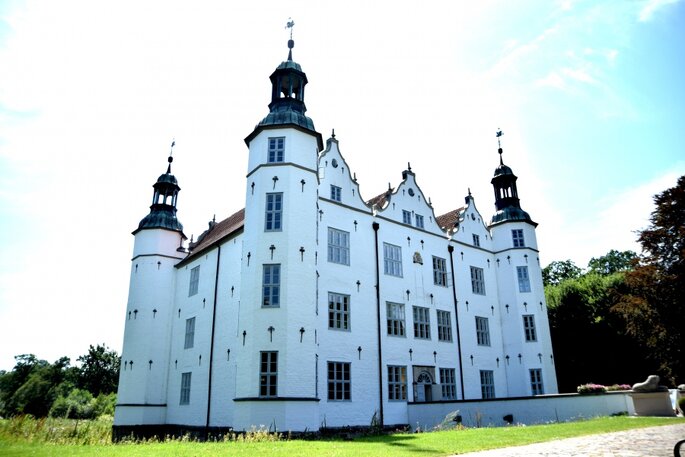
(450, 248)
(211, 342)
(376, 226)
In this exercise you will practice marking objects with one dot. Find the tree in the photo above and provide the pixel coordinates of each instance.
(99, 371)
(652, 306)
(558, 271)
(612, 262)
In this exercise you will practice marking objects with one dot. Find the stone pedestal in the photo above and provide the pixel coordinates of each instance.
(652, 403)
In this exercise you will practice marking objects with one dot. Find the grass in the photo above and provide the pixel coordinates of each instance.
(57, 437)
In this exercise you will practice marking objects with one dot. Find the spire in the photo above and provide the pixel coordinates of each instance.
(506, 195)
(163, 209)
(291, 43)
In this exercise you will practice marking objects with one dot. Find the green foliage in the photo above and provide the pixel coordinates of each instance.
(612, 262)
(55, 431)
(79, 404)
(652, 305)
(558, 271)
(99, 371)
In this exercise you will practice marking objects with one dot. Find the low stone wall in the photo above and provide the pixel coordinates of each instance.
(524, 410)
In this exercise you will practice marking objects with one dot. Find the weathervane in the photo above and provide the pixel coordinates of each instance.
(499, 145)
(291, 44)
(171, 151)
(290, 26)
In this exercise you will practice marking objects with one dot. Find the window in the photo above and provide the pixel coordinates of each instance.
(395, 317)
(517, 238)
(406, 216)
(392, 260)
(276, 149)
(487, 384)
(190, 333)
(397, 382)
(444, 326)
(524, 280)
(476, 240)
(482, 331)
(419, 221)
(273, 220)
(336, 193)
(338, 311)
(448, 385)
(536, 386)
(271, 286)
(477, 281)
(185, 388)
(422, 326)
(339, 382)
(529, 327)
(439, 271)
(194, 281)
(268, 374)
(338, 246)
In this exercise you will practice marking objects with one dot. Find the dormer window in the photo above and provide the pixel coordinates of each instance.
(276, 149)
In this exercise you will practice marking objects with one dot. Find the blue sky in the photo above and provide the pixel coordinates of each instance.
(589, 95)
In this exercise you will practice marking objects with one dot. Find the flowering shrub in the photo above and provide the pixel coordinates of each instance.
(591, 388)
(618, 387)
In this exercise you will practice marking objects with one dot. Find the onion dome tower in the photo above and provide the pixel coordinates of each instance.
(506, 195)
(163, 209)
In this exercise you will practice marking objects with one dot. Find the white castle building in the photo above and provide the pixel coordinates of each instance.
(314, 308)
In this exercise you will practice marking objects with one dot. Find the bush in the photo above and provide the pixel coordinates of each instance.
(591, 388)
(79, 404)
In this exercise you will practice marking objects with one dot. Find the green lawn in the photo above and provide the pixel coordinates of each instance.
(426, 444)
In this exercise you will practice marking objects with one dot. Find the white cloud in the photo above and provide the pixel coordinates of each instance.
(651, 7)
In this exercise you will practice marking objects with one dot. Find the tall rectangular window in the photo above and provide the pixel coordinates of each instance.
(268, 374)
(336, 193)
(487, 384)
(392, 260)
(276, 149)
(419, 221)
(482, 331)
(338, 311)
(439, 271)
(185, 388)
(448, 385)
(422, 326)
(339, 381)
(476, 240)
(271, 285)
(397, 382)
(338, 246)
(406, 216)
(529, 327)
(190, 333)
(477, 281)
(536, 386)
(517, 238)
(273, 220)
(444, 326)
(395, 318)
(524, 280)
(194, 281)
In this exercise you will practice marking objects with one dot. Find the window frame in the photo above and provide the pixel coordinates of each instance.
(537, 387)
(444, 319)
(477, 280)
(517, 238)
(275, 151)
(338, 252)
(439, 271)
(476, 240)
(448, 383)
(268, 374)
(273, 212)
(482, 331)
(340, 384)
(336, 193)
(194, 284)
(487, 384)
(395, 319)
(529, 330)
(397, 382)
(186, 382)
(418, 219)
(271, 289)
(422, 322)
(406, 217)
(189, 341)
(392, 260)
(523, 279)
(339, 315)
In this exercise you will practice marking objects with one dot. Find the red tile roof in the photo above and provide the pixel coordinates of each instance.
(217, 232)
(448, 220)
(380, 200)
